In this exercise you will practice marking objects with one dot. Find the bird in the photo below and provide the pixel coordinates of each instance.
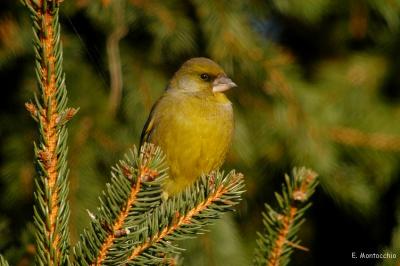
(192, 122)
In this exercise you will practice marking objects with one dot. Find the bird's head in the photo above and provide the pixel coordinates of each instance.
(201, 75)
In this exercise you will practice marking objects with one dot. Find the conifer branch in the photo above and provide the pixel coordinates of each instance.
(136, 186)
(51, 210)
(132, 222)
(275, 245)
(342, 135)
(185, 215)
(116, 228)
(135, 189)
(354, 137)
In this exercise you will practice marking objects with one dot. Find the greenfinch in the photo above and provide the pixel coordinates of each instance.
(192, 122)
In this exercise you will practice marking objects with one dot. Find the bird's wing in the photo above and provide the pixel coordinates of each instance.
(149, 125)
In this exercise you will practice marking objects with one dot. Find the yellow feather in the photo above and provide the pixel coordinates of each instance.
(193, 127)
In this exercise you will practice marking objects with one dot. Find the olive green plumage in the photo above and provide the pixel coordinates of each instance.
(192, 122)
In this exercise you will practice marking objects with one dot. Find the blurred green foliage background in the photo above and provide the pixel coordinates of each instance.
(319, 85)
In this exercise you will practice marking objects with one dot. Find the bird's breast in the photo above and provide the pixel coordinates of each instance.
(195, 136)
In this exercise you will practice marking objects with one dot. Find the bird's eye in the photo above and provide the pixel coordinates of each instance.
(205, 76)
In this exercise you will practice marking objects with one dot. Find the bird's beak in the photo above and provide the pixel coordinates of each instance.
(222, 83)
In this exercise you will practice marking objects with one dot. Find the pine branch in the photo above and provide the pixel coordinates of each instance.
(275, 245)
(357, 138)
(132, 224)
(135, 188)
(184, 216)
(51, 210)
(3, 261)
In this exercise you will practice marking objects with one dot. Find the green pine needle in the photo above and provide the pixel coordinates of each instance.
(134, 225)
(275, 245)
(49, 110)
(135, 188)
(184, 216)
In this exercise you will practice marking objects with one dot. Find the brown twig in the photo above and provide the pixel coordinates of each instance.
(299, 194)
(287, 222)
(114, 60)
